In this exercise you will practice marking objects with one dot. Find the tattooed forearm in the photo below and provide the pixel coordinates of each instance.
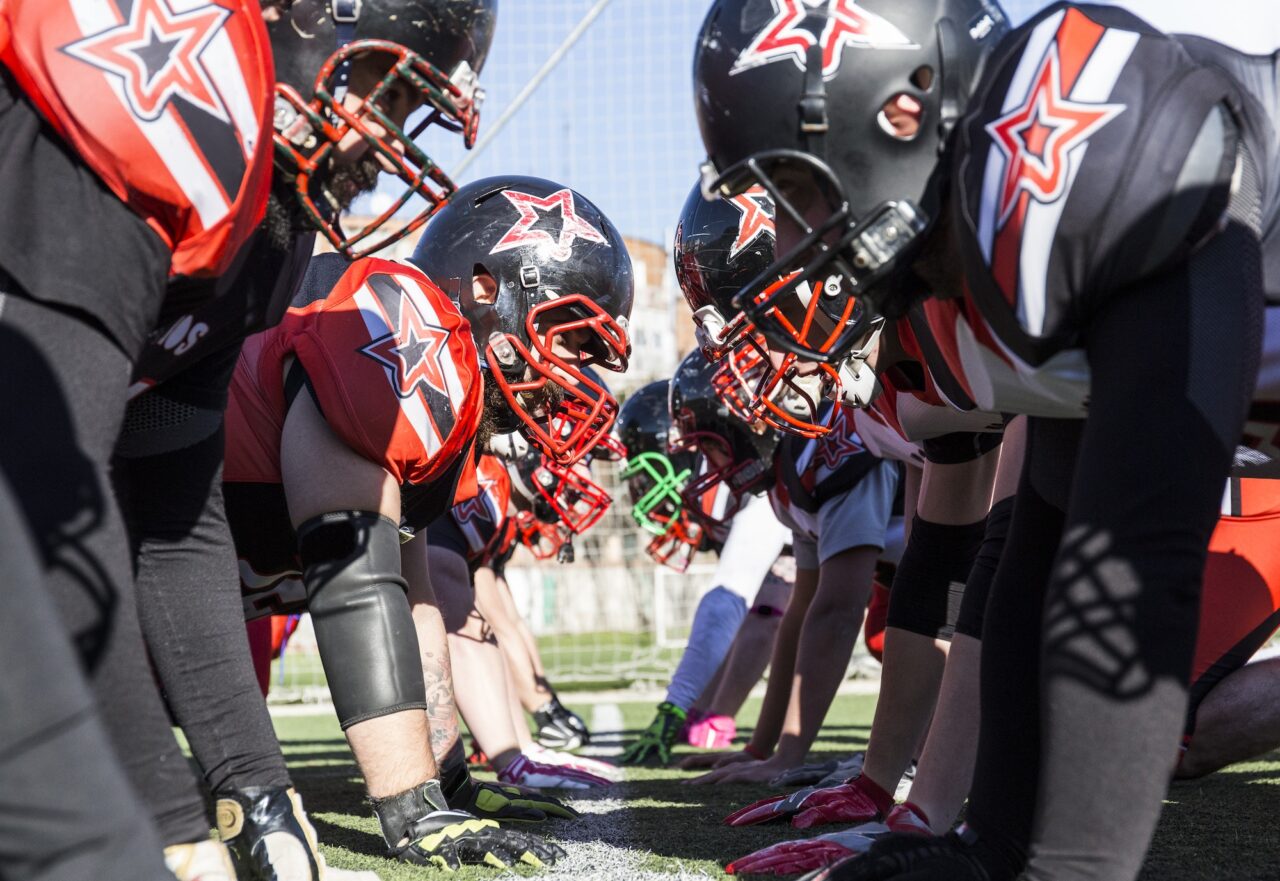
(442, 712)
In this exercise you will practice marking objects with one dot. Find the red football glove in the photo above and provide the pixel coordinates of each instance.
(858, 801)
(793, 857)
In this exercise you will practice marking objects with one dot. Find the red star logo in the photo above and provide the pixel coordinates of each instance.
(156, 55)
(1038, 137)
(841, 442)
(476, 508)
(757, 218)
(413, 352)
(833, 24)
(531, 208)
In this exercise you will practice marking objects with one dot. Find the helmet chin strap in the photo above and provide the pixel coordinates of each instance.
(510, 446)
(858, 381)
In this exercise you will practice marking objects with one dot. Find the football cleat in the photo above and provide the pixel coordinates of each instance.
(527, 771)
(559, 727)
(657, 741)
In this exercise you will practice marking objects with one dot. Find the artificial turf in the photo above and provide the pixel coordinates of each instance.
(651, 827)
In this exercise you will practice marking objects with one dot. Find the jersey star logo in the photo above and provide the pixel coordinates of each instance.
(477, 508)
(756, 209)
(832, 24)
(156, 55)
(532, 208)
(1038, 137)
(840, 443)
(413, 352)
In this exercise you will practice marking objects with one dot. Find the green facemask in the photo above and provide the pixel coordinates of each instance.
(664, 494)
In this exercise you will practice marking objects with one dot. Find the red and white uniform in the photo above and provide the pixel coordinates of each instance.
(168, 102)
(394, 371)
(1240, 602)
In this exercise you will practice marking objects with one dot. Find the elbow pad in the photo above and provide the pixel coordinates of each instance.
(930, 581)
(360, 609)
(974, 606)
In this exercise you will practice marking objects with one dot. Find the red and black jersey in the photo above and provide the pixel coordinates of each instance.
(483, 519)
(392, 366)
(169, 103)
(1067, 186)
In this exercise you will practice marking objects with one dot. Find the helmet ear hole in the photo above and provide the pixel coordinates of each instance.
(484, 287)
(922, 78)
(899, 117)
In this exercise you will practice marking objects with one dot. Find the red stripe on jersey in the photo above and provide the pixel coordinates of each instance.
(1007, 250)
(1077, 37)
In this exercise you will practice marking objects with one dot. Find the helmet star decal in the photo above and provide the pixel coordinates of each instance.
(1038, 137)
(757, 218)
(832, 24)
(841, 442)
(156, 55)
(412, 353)
(532, 208)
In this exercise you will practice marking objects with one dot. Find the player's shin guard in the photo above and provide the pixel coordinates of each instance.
(358, 604)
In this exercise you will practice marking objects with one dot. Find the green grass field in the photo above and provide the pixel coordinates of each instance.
(651, 827)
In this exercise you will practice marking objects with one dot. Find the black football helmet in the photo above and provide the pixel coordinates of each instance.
(800, 97)
(433, 48)
(721, 246)
(656, 477)
(567, 283)
(734, 454)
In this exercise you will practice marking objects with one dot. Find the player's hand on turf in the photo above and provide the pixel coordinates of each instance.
(793, 857)
(656, 741)
(715, 760)
(746, 772)
(828, 773)
(510, 803)
(450, 839)
(606, 770)
(915, 858)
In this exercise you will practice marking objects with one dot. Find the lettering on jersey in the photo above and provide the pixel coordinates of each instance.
(756, 208)
(831, 450)
(1038, 136)
(532, 209)
(183, 334)
(413, 352)
(832, 24)
(156, 54)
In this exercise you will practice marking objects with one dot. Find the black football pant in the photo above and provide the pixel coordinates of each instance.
(62, 397)
(67, 813)
(1091, 621)
(170, 485)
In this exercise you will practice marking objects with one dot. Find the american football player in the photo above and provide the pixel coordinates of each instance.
(349, 79)
(108, 182)
(1054, 209)
(721, 496)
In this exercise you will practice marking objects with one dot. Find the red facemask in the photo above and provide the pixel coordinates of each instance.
(311, 129)
(587, 410)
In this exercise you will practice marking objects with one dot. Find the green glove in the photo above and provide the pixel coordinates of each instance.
(659, 738)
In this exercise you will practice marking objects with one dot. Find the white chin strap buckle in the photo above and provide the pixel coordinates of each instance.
(510, 446)
(858, 379)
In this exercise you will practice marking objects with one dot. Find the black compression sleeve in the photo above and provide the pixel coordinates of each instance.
(930, 580)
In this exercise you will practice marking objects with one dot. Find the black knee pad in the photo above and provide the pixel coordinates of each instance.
(973, 607)
(929, 584)
(360, 610)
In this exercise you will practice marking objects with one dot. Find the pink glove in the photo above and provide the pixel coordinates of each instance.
(712, 732)
(526, 772)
